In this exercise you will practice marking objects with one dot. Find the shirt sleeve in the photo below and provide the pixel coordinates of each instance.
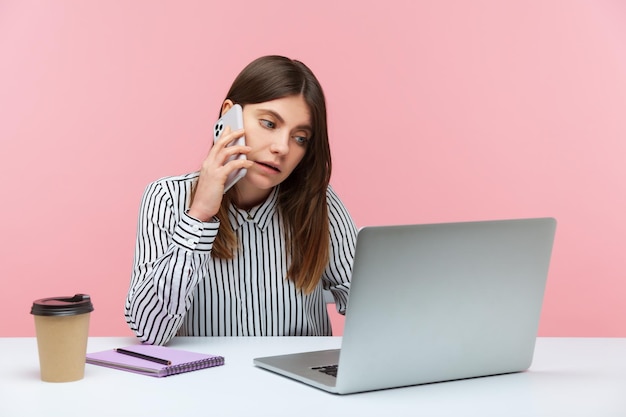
(336, 277)
(171, 251)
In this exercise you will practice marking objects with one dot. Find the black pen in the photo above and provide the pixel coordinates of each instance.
(142, 356)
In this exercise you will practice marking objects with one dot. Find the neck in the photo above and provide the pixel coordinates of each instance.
(246, 197)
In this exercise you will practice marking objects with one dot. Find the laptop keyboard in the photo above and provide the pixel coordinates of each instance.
(327, 369)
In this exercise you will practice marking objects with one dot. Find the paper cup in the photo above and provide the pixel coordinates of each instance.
(62, 327)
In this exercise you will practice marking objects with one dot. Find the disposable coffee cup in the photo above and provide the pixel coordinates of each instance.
(62, 327)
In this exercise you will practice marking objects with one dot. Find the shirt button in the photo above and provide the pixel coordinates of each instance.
(192, 241)
(195, 228)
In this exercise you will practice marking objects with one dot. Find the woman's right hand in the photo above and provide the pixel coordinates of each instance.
(214, 172)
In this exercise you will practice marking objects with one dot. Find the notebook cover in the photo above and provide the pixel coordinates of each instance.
(182, 360)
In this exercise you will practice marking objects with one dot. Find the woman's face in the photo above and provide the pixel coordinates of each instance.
(278, 132)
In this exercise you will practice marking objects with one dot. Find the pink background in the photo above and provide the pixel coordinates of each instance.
(439, 111)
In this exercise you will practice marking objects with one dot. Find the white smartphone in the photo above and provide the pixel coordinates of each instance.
(233, 118)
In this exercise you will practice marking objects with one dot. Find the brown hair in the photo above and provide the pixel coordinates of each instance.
(302, 196)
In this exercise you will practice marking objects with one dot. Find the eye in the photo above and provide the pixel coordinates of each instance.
(267, 124)
(301, 140)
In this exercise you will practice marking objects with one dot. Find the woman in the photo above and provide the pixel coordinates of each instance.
(252, 261)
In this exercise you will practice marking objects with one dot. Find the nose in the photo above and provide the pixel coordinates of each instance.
(280, 145)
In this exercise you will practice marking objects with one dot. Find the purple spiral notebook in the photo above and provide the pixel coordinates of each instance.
(180, 360)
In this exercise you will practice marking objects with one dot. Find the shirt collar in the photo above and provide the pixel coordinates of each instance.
(260, 215)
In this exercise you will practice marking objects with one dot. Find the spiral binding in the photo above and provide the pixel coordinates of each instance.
(194, 366)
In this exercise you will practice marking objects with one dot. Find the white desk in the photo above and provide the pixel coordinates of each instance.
(569, 377)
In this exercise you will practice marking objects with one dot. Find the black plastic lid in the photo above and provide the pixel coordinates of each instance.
(62, 306)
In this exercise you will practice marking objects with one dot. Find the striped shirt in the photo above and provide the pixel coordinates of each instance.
(177, 288)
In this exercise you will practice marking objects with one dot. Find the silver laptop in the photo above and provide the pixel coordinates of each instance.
(435, 302)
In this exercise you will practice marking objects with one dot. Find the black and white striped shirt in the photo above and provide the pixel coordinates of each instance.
(178, 288)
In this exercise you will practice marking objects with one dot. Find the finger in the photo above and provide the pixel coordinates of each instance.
(221, 151)
(220, 175)
(229, 136)
(225, 155)
(237, 164)
(235, 150)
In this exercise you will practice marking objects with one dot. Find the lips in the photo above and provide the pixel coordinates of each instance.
(270, 166)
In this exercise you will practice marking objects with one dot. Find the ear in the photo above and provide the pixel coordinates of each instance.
(226, 105)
